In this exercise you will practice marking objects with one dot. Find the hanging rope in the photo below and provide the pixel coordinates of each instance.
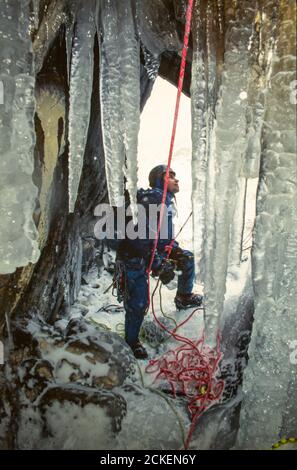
(179, 92)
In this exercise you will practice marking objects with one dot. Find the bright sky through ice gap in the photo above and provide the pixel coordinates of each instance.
(154, 141)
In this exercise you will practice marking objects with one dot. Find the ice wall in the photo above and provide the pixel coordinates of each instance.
(18, 235)
(268, 404)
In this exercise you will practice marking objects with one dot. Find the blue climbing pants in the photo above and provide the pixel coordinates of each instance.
(136, 300)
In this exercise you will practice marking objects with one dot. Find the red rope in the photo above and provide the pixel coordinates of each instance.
(189, 369)
(179, 92)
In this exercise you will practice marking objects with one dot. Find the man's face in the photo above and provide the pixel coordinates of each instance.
(173, 186)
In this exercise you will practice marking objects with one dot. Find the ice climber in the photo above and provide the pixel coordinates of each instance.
(135, 257)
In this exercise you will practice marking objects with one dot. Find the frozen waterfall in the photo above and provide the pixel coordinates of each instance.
(243, 94)
(218, 151)
(270, 379)
(18, 234)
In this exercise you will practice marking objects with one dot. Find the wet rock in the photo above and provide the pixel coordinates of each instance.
(153, 333)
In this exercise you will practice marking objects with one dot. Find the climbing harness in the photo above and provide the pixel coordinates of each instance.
(120, 290)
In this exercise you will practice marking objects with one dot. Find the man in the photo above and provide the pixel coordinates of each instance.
(136, 255)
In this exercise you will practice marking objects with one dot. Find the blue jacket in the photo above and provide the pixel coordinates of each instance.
(142, 248)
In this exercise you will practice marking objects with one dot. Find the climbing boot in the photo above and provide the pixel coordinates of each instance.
(188, 300)
(138, 350)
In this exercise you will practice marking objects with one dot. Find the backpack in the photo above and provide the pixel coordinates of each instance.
(117, 241)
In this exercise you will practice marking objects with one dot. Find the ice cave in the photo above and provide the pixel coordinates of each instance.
(76, 77)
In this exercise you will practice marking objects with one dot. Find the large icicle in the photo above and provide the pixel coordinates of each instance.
(120, 97)
(225, 156)
(267, 411)
(199, 153)
(18, 235)
(81, 85)
(207, 58)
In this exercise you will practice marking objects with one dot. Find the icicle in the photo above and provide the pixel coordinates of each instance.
(199, 152)
(120, 98)
(18, 234)
(72, 6)
(228, 145)
(207, 58)
(271, 375)
(237, 225)
(81, 85)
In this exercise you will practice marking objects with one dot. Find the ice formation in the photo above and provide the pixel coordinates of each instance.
(120, 97)
(269, 406)
(81, 85)
(219, 147)
(18, 234)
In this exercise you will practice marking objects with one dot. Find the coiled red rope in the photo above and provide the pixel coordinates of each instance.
(191, 368)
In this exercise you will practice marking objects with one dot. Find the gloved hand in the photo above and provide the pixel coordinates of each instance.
(167, 273)
(157, 265)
